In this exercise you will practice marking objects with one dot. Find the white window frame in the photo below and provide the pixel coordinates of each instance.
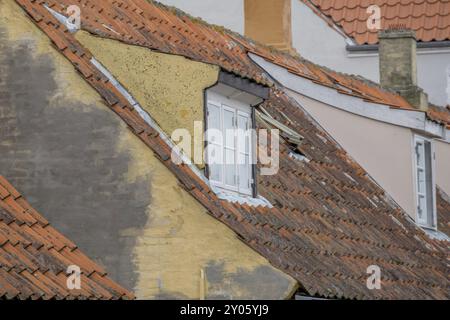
(239, 109)
(425, 223)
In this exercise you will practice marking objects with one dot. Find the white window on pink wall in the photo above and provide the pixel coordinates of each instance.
(424, 181)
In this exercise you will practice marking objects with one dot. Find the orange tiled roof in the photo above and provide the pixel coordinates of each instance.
(443, 209)
(439, 114)
(430, 19)
(174, 32)
(330, 221)
(34, 257)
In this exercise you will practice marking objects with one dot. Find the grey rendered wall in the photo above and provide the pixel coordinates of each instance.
(63, 155)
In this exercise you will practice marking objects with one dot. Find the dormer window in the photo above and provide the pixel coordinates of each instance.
(230, 135)
(232, 167)
(425, 190)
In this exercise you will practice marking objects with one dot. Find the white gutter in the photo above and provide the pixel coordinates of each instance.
(294, 84)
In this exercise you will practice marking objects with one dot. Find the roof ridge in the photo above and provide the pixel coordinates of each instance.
(297, 56)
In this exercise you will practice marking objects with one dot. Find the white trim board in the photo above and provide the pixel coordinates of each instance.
(295, 85)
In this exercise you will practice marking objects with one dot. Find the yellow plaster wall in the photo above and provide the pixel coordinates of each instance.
(169, 87)
(180, 240)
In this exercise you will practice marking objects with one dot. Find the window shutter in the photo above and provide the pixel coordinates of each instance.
(421, 182)
(424, 182)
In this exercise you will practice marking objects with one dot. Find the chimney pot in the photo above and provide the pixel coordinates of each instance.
(269, 22)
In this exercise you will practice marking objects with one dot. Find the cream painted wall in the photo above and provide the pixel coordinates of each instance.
(382, 149)
(442, 151)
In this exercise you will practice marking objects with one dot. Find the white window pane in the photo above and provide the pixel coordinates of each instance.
(214, 136)
(230, 139)
(215, 154)
(245, 173)
(230, 167)
(228, 125)
(215, 173)
(243, 138)
(422, 209)
(215, 161)
(421, 182)
(420, 154)
(228, 119)
(213, 117)
(243, 133)
(243, 121)
(230, 157)
(230, 175)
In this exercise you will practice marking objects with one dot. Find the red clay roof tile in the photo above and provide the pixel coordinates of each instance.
(34, 257)
(443, 208)
(429, 18)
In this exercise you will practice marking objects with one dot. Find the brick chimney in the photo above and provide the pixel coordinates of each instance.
(269, 22)
(398, 65)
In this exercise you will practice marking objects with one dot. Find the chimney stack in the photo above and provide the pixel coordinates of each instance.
(269, 22)
(398, 65)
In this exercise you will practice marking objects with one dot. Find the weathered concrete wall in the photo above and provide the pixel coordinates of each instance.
(97, 183)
